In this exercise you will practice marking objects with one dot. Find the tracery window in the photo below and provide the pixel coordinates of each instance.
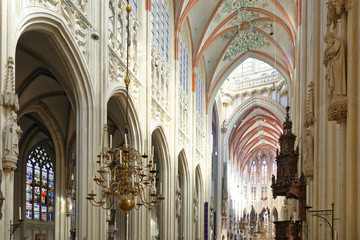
(183, 67)
(160, 27)
(134, 5)
(246, 175)
(264, 172)
(199, 95)
(253, 193)
(39, 186)
(253, 173)
(274, 168)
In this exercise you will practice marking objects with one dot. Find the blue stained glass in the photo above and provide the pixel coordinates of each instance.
(39, 185)
(167, 35)
(181, 63)
(28, 214)
(152, 22)
(187, 80)
(134, 5)
(184, 66)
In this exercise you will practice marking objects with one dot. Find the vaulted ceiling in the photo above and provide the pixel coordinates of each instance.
(225, 32)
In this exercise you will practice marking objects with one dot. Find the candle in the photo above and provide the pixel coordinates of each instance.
(20, 213)
(120, 157)
(125, 139)
(110, 141)
(132, 180)
(307, 195)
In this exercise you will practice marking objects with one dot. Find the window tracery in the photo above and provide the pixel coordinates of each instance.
(40, 178)
(264, 174)
(160, 27)
(253, 173)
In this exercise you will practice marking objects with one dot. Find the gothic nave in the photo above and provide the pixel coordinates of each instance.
(179, 119)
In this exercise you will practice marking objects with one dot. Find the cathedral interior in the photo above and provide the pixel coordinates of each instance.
(179, 119)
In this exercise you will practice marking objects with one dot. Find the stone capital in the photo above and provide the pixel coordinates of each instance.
(9, 163)
(337, 110)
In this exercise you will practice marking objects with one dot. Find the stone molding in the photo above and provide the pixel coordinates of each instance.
(337, 110)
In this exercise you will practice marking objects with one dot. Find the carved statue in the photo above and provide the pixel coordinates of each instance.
(196, 208)
(12, 133)
(212, 209)
(285, 210)
(308, 153)
(1, 195)
(334, 61)
(178, 197)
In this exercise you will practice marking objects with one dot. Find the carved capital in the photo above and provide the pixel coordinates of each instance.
(334, 10)
(309, 173)
(337, 110)
(9, 163)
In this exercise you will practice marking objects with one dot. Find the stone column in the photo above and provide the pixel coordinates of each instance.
(9, 166)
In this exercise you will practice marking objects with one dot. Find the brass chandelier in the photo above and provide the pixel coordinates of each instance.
(127, 178)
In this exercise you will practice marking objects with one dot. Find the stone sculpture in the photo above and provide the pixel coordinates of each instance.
(334, 61)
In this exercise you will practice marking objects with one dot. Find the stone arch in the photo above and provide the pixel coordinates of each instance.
(56, 29)
(256, 55)
(70, 69)
(198, 210)
(117, 101)
(274, 214)
(161, 150)
(183, 170)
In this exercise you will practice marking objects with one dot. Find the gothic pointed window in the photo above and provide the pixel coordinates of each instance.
(253, 174)
(264, 172)
(40, 185)
(134, 5)
(245, 175)
(160, 27)
(274, 168)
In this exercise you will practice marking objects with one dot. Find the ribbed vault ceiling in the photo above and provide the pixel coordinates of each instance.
(225, 32)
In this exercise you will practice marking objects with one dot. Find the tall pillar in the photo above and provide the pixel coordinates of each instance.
(9, 166)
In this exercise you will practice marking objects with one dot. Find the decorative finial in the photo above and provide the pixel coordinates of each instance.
(127, 80)
(128, 8)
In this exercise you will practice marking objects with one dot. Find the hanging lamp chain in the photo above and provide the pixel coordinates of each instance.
(128, 9)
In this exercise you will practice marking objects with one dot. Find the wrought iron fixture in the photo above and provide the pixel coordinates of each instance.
(326, 215)
(127, 179)
(14, 227)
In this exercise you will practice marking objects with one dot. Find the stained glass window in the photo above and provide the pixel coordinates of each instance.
(264, 172)
(253, 173)
(160, 27)
(39, 186)
(134, 5)
(199, 94)
(245, 174)
(274, 168)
